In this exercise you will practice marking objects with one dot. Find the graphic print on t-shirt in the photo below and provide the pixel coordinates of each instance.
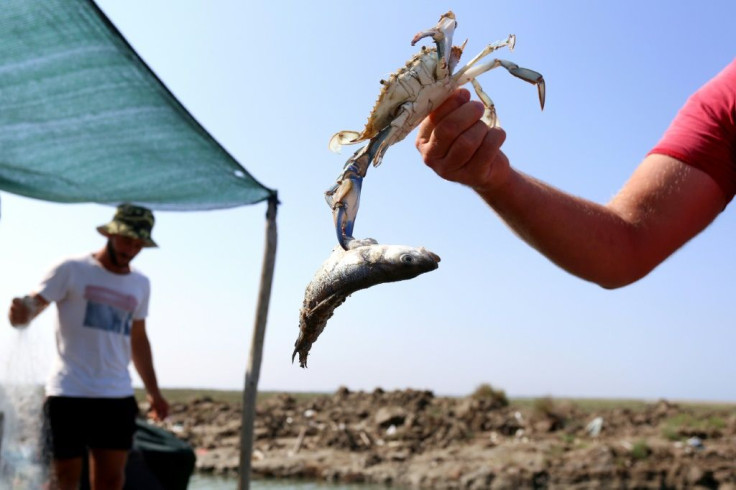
(109, 310)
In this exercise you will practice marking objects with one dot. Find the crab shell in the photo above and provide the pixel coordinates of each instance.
(413, 88)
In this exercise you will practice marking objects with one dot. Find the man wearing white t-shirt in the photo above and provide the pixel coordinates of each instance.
(102, 307)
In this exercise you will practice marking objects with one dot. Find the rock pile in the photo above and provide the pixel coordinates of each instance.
(413, 439)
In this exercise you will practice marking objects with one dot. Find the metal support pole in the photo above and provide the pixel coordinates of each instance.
(250, 391)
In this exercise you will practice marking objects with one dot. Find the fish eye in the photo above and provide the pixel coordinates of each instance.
(406, 259)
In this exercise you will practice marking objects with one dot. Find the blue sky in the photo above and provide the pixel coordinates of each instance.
(272, 81)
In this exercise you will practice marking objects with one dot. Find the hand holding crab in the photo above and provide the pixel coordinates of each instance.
(456, 143)
(406, 98)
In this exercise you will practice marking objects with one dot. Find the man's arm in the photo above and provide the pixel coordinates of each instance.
(143, 362)
(662, 206)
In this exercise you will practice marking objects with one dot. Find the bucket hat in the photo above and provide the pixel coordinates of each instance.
(133, 222)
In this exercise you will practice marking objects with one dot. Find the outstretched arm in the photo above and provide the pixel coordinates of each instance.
(143, 362)
(662, 206)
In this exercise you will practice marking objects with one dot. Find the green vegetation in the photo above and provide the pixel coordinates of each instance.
(688, 423)
(595, 404)
(545, 406)
(486, 392)
(670, 433)
(640, 450)
(184, 395)
(567, 438)
(588, 405)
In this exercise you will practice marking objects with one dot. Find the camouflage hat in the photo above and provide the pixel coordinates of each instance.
(131, 221)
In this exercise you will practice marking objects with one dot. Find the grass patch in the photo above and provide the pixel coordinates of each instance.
(586, 404)
(595, 404)
(674, 427)
(186, 395)
(567, 438)
(640, 450)
(545, 406)
(487, 392)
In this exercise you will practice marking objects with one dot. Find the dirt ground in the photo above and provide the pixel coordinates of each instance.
(413, 439)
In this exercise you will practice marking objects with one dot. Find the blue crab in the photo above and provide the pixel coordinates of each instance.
(406, 98)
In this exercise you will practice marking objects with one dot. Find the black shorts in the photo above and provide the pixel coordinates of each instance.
(74, 424)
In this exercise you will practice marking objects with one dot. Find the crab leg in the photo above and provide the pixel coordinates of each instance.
(344, 196)
(509, 41)
(489, 115)
(530, 76)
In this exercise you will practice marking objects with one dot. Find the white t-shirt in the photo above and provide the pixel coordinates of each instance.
(96, 312)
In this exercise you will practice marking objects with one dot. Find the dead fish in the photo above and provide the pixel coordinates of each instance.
(347, 271)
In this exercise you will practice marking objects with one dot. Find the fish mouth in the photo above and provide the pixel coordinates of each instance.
(434, 259)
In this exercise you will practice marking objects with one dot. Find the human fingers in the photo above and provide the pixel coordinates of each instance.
(18, 312)
(475, 156)
(453, 127)
(455, 140)
(162, 410)
(449, 166)
(10, 312)
(455, 100)
(489, 164)
(154, 413)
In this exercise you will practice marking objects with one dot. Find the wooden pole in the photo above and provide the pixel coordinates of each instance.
(256, 348)
(2, 427)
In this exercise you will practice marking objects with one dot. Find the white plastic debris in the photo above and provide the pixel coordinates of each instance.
(594, 427)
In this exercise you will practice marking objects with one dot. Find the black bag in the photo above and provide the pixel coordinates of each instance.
(169, 458)
(158, 461)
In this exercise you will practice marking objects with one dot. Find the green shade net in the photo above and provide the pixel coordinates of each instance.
(83, 119)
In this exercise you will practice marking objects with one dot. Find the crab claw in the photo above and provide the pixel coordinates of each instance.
(530, 76)
(441, 34)
(344, 197)
(444, 28)
(541, 90)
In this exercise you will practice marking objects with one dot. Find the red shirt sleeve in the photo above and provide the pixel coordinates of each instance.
(703, 134)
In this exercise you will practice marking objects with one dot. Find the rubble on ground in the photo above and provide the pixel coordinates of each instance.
(413, 439)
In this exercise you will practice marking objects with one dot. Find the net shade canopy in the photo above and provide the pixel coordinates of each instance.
(84, 119)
